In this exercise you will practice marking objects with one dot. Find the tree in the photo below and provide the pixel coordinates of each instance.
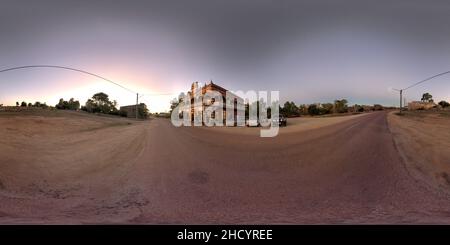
(176, 101)
(23, 104)
(358, 108)
(326, 108)
(17, 103)
(313, 109)
(100, 103)
(143, 111)
(340, 106)
(444, 104)
(72, 104)
(290, 109)
(30, 105)
(40, 105)
(303, 109)
(173, 104)
(60, 105)
(377, 107)
(427, 97)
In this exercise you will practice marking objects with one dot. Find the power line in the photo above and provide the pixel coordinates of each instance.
(417, 83)
(427, 79)
(88, 73)
(68, 68)
(82, 71)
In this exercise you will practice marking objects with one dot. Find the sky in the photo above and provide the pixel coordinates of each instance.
(311, 51)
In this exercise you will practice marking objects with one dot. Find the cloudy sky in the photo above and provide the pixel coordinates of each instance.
(311, 51)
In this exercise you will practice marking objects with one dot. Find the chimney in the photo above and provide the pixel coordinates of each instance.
(194, 86)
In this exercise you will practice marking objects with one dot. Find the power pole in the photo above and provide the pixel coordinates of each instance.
(137, 104)
(417, 83)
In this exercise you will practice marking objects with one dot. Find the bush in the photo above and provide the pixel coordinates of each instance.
(313, 110)
(340, 106)
(444, 104)
(326, 108)
(377, 107)
(68, 105)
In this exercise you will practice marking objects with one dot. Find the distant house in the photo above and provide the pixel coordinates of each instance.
(130, 111)
(198, 108)
(420, 105)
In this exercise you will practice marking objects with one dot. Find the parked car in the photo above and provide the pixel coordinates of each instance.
(252, 123)
(282, 121)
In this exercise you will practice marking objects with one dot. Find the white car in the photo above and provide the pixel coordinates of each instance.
(252, 123)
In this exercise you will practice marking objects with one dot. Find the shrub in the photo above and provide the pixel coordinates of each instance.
(68, 105)
(340, 106)
(377, 107)
(444, 104)
(313, 110)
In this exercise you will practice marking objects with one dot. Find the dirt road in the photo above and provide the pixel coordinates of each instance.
(151, 172)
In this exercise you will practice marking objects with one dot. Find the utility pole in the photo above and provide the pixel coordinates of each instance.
(401, 100)
(417, 83)
(137, 104)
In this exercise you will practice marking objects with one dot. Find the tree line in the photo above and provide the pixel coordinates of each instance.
(36, 104)
(290, 109)
(98, 103)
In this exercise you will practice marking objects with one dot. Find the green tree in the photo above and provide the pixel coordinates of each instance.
(444, 104)
(340, 106)
(427, 97)
(358, 108)
(313, 110)
(326, 108)
(23, 104)
(173, 104)
(60, 105)
(100, 103)
(72, 104)
(303, 109)
(290, 109)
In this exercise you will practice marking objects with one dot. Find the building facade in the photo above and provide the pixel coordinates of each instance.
(130, 111)
(420, 105)
(230, 100)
